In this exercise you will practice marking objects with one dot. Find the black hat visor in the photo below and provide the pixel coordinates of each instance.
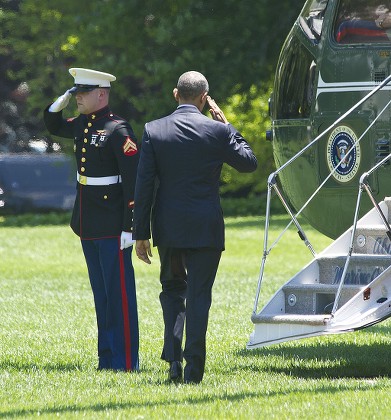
(82, 88)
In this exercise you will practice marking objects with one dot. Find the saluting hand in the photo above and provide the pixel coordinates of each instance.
(215, 111)
(61, 102)
(143, 250)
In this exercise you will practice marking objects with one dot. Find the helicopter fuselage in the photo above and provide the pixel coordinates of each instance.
(332, 58)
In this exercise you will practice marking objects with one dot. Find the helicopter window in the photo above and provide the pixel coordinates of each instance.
(360, 21)
(297, 74)
(311, 18)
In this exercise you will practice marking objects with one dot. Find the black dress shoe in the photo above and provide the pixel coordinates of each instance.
(191, 382)
(175, 372)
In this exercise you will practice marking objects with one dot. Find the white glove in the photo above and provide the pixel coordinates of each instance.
(61, 102)
(126, 240)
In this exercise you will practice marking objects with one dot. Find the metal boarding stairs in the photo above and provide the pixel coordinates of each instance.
(345, 287)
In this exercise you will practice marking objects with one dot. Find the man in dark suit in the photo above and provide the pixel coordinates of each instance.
(106, 154)
(178, 179)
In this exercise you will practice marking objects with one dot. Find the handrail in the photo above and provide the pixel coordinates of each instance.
(272, 184)
(334, 124)
(363, 184)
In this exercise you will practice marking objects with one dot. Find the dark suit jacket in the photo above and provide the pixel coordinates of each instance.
(184, 152)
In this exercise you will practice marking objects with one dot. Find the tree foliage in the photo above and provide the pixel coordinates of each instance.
(147, 45)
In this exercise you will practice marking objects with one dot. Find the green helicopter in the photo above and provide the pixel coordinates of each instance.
(330, 110)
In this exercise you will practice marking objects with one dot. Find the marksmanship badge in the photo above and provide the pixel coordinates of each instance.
(340, 148)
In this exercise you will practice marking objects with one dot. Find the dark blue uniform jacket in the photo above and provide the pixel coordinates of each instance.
(104, 145)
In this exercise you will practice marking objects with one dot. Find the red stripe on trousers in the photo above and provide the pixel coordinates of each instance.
(125, 311)
(80, 212)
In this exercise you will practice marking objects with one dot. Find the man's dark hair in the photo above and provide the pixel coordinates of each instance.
(191, 84)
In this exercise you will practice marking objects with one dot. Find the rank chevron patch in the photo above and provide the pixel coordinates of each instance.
(130, 147)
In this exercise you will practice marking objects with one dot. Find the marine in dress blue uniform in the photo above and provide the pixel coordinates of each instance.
(106, 154)
(185, 152)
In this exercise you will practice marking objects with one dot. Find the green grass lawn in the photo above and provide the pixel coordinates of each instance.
(48, 343)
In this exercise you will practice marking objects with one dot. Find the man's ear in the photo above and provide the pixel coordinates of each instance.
(203, 99)
(176, 94)
(103, 93)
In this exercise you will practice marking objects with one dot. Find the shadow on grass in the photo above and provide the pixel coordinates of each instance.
(323, 360)
(182, 399)
(48, 367)
(288, 359)
(59, 367)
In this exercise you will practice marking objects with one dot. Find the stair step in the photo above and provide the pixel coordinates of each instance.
(320, 287)
(314, 291)
(316, 298)
(302, 307)
(371, 240)
(361, 271)
(290, 319)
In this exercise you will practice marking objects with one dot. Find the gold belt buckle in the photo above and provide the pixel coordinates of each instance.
(83, 179)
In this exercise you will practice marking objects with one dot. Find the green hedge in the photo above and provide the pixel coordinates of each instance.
(252, 206)
(232, 207)
(35, 219)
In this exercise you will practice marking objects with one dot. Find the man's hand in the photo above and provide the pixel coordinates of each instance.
(215, 111)
(143, 250)
(126, 240)
(61, 102)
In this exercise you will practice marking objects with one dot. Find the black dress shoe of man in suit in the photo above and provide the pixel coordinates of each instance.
(175, 372)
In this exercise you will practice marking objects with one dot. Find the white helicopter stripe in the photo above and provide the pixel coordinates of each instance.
(324, 87)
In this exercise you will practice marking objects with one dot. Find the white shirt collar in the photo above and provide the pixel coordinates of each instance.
(183, 105)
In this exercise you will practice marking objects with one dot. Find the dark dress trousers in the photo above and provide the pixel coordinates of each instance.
(106, 154)
(178, 188)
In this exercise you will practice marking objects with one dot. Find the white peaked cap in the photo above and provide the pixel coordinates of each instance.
(91, 77)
